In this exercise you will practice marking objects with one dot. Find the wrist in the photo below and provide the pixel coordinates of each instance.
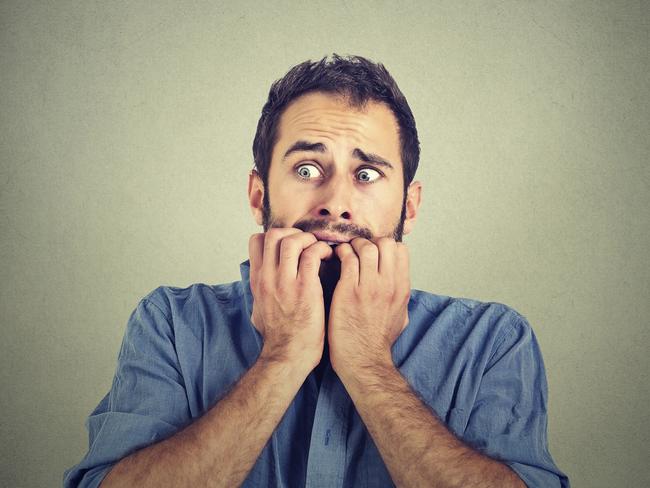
(294, 361)
(368, 371)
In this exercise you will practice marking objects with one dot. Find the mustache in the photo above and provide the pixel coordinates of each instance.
(340, 228)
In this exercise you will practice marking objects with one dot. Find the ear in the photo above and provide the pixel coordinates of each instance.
(413, 195)
(256, 195)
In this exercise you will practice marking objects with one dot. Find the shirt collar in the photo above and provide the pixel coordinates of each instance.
(244, 270)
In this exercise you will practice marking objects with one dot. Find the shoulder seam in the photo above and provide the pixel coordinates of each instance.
(420, 297)
(506, 333)
(155, 305)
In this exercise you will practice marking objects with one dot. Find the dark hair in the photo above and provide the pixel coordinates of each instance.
(355, 78)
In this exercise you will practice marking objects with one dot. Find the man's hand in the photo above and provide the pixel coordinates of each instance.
(370, 304)
(288, 307)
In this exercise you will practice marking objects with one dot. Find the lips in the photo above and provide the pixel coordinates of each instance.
(331, 239)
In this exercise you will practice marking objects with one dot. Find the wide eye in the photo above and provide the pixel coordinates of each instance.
(307, 171)
(368, 175)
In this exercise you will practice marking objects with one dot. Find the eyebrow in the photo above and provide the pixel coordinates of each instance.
(371, 158)
(320, 148)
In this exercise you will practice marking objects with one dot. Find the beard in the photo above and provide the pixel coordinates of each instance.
(330, 269)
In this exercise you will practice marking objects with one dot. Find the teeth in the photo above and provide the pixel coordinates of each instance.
(331, 243)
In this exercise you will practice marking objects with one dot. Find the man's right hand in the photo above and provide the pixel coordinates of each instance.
(288, 308)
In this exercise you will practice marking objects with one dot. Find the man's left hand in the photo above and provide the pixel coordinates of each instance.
(369, 307)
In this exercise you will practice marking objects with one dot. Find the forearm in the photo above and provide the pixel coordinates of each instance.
(416, 446)
(221, 447)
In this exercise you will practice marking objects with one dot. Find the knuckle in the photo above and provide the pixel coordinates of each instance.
(344, 247)
(288, 248)
(302, 287)
(283, 288)
(320, 244)
(307, 256)
(306, 238)
(375, 293)
(273, 235)
(368, 251)
(295, 235)
(309, 262)
(386, 242)
(274, 232)
(315, 247)
(349, 258)
(265, 286)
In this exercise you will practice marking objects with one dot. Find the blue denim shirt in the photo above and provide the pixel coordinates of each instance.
(476, 365)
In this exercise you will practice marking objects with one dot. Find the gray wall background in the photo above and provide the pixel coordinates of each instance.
(125, 134)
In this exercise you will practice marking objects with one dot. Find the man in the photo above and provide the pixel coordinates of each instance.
(321, 367)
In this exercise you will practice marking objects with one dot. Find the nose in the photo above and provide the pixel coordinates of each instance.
(336, 200)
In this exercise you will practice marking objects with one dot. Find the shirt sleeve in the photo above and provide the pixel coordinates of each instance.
(147, 401)
(509, 419)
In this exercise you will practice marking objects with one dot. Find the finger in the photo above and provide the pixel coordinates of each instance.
(349, 264)
(368, 260)
(272, 238)
(255, 253)
(402, 265)
(406, 320)
(291, 248)
(387, 256)
(310, 260)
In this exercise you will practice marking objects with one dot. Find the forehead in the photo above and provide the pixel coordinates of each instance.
(330, 119)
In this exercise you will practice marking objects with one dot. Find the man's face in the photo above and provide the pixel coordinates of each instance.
(336, 171)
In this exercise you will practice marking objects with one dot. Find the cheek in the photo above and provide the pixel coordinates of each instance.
(380, 212)
(290, 202)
